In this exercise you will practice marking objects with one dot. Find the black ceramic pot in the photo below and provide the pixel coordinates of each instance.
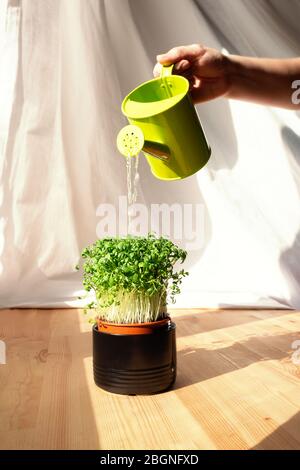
(135, 364)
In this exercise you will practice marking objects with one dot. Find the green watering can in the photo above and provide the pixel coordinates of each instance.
(165, 126)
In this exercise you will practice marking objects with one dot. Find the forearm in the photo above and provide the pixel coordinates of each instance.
(265, 81)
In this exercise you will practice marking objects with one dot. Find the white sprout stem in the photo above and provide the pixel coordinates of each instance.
(133, 307)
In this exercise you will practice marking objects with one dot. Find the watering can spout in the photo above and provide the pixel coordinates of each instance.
(157, 150)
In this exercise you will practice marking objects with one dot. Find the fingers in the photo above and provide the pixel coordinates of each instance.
(203, 90)
(180, 68)
(182, 57)
(189, 53)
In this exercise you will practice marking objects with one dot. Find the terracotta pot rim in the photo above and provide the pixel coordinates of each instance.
(131, 328)
(126, 325)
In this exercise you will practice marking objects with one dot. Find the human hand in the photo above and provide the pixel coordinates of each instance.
(206, 69)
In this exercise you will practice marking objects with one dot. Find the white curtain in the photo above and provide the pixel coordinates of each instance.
(65, 66)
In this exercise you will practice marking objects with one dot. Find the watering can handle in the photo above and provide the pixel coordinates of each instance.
(166, 71)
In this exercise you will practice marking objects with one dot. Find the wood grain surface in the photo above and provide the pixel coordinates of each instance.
(238, 385)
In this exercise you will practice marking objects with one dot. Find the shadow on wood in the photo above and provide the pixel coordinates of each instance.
(190, 323)
(199, 364)
(283, 438)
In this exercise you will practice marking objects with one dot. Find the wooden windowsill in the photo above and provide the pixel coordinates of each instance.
(237, 385)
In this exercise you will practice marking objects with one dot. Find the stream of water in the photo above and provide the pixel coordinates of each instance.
(132, 165)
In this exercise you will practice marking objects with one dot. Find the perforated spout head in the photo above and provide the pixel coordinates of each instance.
(130, 141)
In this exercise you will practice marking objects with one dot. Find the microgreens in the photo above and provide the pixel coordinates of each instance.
(132, 277)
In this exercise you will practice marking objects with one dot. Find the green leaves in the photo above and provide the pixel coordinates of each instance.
(140, 267)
